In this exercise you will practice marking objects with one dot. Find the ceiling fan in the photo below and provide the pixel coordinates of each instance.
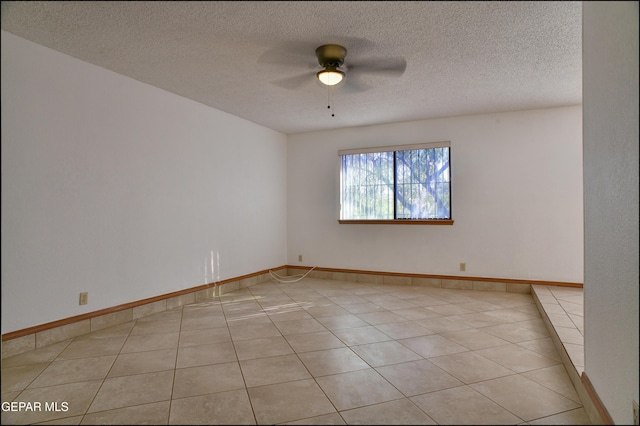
(349, 74)
(330, 57)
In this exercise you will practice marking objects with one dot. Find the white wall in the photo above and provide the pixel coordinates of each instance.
(610, 85)
(123, 190)
(516, 199)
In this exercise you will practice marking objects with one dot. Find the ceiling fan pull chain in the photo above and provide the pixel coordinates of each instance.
(330, 98)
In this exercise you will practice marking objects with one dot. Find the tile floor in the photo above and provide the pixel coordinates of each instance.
(311, 352)
(564, 307)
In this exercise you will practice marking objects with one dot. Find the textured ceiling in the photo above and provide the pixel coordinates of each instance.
(243, 57)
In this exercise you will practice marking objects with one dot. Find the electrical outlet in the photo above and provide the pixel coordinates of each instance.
(463, 266)
(636, 416)
(299, 258)
(84, 298)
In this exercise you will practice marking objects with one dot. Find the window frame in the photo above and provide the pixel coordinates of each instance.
(393, 148)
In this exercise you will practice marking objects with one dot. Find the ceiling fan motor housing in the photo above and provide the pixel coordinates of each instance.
(331, 55)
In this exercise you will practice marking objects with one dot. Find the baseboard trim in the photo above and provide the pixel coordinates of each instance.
(443, 277)
(25, 339)
(597, 402)
(125, 306)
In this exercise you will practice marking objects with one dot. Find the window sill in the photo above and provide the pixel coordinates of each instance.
(399, 222)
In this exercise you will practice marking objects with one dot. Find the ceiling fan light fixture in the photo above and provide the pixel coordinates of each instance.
(330, 76)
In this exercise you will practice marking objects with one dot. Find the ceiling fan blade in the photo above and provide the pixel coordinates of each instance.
(387, 66)
(302, 53)
(287, 60)
(294, 82)
(353, 84)
(290, 54)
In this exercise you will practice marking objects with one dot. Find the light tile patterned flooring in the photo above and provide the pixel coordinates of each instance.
(311, 352)
(564, 307)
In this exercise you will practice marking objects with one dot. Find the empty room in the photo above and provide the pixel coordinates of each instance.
(319, 212)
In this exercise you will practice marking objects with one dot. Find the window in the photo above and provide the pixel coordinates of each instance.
(401, 184)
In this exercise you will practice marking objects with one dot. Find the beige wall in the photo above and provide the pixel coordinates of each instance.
(516, 199)
(610, 86)
(125, 191)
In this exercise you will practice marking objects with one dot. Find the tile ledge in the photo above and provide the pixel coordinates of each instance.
(574, 370)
